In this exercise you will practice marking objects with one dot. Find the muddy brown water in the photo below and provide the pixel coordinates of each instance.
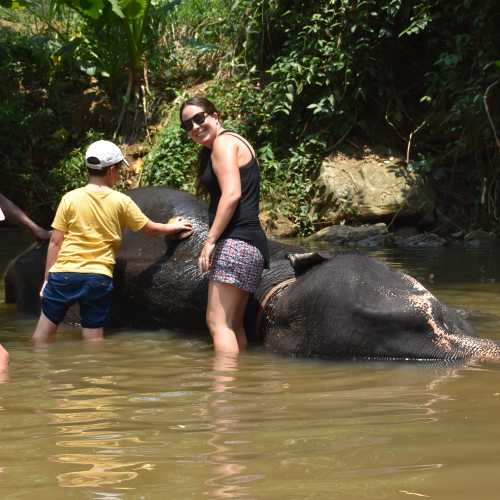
(154, 415)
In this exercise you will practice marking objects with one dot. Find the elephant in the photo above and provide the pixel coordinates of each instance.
(345, 305)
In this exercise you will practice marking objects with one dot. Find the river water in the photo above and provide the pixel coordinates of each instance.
(154, 415)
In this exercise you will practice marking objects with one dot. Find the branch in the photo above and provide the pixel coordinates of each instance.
(125, 103)
(487, 109)
(408, 147)
(332, 148)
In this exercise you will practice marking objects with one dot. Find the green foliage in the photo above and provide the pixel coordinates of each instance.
(32, 114)
(287, 173)
(111, 39)
(378, 72)
(297, 78)
(71, 172)
(466, 46)
(422, 165)
(130, 15)
(289, 182)
(189, 41)
(172, 160)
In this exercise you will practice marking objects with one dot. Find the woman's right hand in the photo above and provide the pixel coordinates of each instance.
(205, 258)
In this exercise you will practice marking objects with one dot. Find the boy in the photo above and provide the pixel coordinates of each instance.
(87, 232)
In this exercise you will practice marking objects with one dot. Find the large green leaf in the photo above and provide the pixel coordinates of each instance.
(11, 4)
(133, 9)
(117, 8)
(90, 8)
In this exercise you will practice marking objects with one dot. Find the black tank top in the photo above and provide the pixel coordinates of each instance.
(244, 224)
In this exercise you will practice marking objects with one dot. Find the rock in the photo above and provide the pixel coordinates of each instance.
(379, 240)
(479, 234)
(371, 188)
(405, 232)
(458, 234)
(277, 225)
(473, 243)
(423, 240)
(342, 234)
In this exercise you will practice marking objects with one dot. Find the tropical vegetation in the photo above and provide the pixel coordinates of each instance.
(301, 79)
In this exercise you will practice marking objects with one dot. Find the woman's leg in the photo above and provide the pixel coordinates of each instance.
(225, 315)
(239, 327)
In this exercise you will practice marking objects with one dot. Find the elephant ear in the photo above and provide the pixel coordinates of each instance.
(302, 262)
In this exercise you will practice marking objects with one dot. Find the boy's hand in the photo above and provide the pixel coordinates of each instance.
(181, 227)
(43, 288)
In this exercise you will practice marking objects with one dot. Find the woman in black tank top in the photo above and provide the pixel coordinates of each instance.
(235, 251)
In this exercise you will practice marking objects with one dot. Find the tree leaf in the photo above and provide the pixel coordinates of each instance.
(117, 8)
(90, 8)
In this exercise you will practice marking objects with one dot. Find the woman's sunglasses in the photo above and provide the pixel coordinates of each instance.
(198, 118)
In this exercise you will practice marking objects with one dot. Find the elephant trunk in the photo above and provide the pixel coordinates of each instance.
(472, 347)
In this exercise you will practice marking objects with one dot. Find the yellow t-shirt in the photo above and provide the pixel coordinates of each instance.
(92, 222)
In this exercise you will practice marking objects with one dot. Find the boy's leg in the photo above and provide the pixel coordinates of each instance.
(93, 334)
(45, 330)
(95, 305)
(57, 296)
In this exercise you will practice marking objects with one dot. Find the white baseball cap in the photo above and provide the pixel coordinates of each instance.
(2, 216)
(102, 154)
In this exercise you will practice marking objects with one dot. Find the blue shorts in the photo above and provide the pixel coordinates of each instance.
(92, 291)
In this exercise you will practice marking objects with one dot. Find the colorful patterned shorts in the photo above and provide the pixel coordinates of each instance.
(237, 263)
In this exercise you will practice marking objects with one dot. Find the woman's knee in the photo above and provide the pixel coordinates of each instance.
(216, 320)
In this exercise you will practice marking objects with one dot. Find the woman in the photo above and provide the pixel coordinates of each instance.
(235, 252)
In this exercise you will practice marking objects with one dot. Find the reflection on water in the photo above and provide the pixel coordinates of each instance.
(230, 474)
(156, 415)
(4, 376)
(85, 412)
(85, 415)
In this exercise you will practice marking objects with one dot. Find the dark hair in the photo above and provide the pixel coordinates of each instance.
(204, 153)
(99, 172)
(94, 172)
(201, 102)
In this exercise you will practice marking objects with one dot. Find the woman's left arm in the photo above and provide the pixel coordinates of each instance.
(225, 165)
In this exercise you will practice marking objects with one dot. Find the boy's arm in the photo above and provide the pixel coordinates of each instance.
(55, 243)
(56, 239)
(179, 228)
